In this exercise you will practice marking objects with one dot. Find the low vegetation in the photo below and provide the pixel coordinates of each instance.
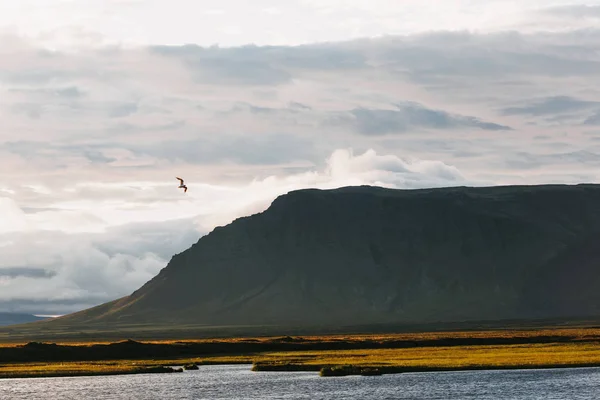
(330, 355)
(38, 370)
(448, 358)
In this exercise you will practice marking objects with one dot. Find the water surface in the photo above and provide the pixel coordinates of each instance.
(238, 382)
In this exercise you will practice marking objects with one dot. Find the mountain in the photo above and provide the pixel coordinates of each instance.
(321, 259)
(7, 318)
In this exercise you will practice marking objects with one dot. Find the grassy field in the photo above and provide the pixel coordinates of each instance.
(440, 358)
(533, 335)
(386, 360)
(56, 369)
(545, 348)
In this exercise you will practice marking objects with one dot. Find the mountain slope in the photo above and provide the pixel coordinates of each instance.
(368, 255)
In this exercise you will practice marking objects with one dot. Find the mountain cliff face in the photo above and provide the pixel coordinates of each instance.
(368, 255)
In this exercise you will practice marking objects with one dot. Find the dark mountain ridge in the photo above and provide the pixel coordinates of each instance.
(370, 255)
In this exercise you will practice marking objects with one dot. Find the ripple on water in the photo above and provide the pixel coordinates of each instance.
(238, 382)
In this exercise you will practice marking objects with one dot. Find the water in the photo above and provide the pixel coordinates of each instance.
(238, 382)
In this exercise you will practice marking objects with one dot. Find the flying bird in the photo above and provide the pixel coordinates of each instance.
(181, 185)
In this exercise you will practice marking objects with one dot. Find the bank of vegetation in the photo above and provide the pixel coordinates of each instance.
(328, 355)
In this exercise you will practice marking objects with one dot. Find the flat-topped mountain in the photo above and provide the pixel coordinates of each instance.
(369, 255)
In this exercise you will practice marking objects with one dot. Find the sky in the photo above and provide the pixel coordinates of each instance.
(104, 102)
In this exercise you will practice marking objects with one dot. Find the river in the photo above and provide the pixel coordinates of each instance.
(238, 382)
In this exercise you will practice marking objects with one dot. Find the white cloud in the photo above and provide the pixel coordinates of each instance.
(237, 22)
(13, 218)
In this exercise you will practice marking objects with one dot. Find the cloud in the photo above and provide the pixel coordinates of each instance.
(240, 149)
(552, 106)
(71, 92)
(392, 171)
(574, 11)
(28, 272)
(531, 160)
(226, 66)
(593, 120)
(266, 149)
(400, 117)
(234, 23)
(13, 218)
(66, 272)
(123, 110)
(410, 117)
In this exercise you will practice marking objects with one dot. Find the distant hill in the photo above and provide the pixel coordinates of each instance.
(7, 318)
(332, 259)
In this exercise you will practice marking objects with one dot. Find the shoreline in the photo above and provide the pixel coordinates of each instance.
(323, 371)
(372, 370)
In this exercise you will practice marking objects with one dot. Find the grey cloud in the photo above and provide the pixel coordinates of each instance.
(97, 156)
(126, 127)
(32, 110)
(166, 238)
(295, 114)
(551, 105)
(575, 11)
(217, 66)
(211, 148)
(527, 160)
(67, 105)
(296, 105)
(435, 59)
(69, 92)
(243, 149)
(28, 272)
(22, 147)
(56, 151)
(39, 68)
(318, 57)
(266, 65)
(241, 107)
(122, 110)
(593, 120)
(407, 117)
(312, 56)
(36, 76)
(293, 107)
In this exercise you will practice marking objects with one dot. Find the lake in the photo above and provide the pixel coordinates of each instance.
(238, 382)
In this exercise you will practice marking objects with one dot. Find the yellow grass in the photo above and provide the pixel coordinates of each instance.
(453, 357)
(448, 357)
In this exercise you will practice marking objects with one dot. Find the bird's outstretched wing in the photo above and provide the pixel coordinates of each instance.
(184, 189)
(180, 180)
